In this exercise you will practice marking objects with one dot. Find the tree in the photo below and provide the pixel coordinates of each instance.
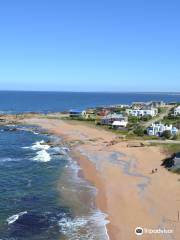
(146, 118)
(139, 131)
(166, 134)
(133, 119)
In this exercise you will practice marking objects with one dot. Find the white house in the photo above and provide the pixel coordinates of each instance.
(110, 118)
(142, 112)
(158, 129)
(177, 111)
(119, 124)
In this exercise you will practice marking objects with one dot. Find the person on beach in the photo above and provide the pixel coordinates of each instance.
(154, 170)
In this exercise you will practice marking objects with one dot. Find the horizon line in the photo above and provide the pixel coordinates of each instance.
(68, 91)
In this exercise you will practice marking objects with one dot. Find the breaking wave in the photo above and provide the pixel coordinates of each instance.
(41, 147)
(82, 227)
(15, 217)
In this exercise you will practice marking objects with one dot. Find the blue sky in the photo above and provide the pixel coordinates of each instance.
(95, 45)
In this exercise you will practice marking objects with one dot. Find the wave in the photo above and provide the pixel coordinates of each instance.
(87, 227)
(42, 156)
(38, 145)
(15, 217)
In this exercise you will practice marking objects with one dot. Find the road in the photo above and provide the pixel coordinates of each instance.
(158, 118)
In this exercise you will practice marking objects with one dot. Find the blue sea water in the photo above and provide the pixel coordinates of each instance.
(41, 192)
(15, 102)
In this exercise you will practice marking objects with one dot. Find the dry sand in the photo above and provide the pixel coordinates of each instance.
(127, 190)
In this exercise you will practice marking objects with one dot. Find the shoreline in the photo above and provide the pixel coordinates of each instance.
(127, 191)
(87, 170)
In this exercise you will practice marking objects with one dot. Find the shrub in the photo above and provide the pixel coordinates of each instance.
(139, 131)
(166, 134)
(146, 118)
(133, 119)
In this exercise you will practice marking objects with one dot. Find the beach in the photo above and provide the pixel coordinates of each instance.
(127, 191)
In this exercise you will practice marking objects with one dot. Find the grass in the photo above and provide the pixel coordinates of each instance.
(177, 171)
(168, 148)
(172, 148)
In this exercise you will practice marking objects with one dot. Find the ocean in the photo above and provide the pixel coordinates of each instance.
(18, 102)
(42, 195)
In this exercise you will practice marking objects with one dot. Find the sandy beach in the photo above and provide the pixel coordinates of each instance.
(128, 192)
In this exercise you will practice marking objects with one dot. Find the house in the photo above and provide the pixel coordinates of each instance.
(177, 111)
(144, 111)
(112, 117)
(120, 124)
(159, 128)
(89, 114)
(152, 104)
(75, 113)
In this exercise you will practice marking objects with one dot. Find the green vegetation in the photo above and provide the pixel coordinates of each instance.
(120, 110)
(166, 134)
(168, 148)
(139, 131)
(177, 171)
(146, 118)
(161, 110)
(170, 119)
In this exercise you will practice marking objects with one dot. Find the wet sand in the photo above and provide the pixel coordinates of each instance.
(127, 190)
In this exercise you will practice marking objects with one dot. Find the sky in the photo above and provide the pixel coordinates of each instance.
(90, 45)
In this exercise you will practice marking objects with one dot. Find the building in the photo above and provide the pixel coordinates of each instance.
(144, 111)
(89, 114)
(177, 111)
(120, 124)
(152, 104)
(112, 117)
(158, 129)
(75, 113)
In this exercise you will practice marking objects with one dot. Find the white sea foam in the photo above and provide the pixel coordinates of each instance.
(15, 217)
(88, 227)
(93, 226)
(38, 145)
(42, 156)
(36, 133)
